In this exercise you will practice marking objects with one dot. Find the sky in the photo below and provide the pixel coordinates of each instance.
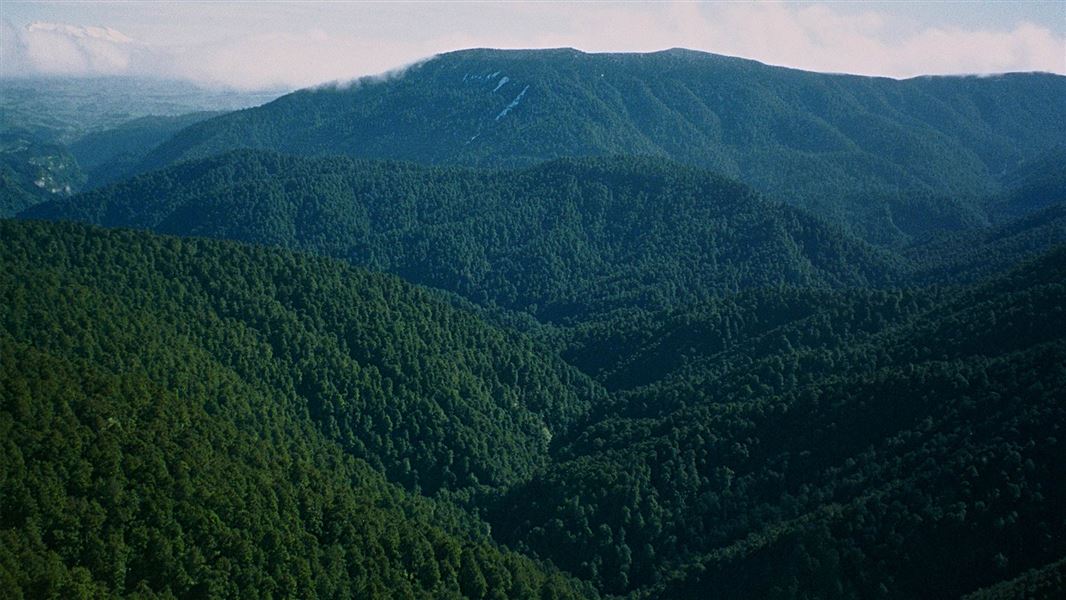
(252, 45)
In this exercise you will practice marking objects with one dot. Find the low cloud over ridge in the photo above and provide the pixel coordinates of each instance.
(348, 43)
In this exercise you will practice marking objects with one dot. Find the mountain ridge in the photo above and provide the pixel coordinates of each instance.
(558, 239)
(837, 144)
(543, 325)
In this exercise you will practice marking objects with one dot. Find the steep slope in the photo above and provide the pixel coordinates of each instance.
(1034, 185)
(110, 154)
(629, 349)
(857, 445)
(428, 394)
(158, 439)
(841, 144)
(967, 256)
(559, 240)
(1038, 583)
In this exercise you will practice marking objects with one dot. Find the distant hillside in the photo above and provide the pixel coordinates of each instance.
(109, 155)
(33, 170)
(967, 256)
(63, 109)
(844, 145)
(557, 240)
(76, 132)
(1034, 185)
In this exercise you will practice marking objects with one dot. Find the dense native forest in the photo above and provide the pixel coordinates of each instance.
(665, 326)
(161, 437)
(556, 240)
(884, 157)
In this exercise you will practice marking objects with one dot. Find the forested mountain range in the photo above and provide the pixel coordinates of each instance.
(360, 362)
(860, 148)
(755, 433)
(830, 445)
(557, 240)
(545, 324)
(561, 240)
(193, 419)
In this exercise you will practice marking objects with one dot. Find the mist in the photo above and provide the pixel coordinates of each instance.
(292, 46)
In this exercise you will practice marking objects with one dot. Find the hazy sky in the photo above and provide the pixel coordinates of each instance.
(256, 44)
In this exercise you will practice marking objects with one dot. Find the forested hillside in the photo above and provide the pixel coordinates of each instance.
(428, 394)
(976, 253)
(177, 423)
(539, 324)
(781, 441)
(110, 155)
(33, 171)
(557, 240)
(836, 445)
(1034, 185)
(881, 154)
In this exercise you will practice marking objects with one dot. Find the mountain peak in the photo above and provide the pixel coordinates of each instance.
(872, 137)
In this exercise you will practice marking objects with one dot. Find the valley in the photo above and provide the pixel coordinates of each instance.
(543, 324)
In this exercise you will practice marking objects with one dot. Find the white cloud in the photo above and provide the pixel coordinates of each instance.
(257, 61)
(302, 45)
(818, 38)
(63, 49)
(78, 32)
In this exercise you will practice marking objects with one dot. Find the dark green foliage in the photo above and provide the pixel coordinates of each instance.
(17, 190)
(1044, 583)
(853, 147)
(558, 240)
(155, 443)
(790, 445)
(426, 393)
(807, 436)
(630, 348)
(1036, 184)
(756, 405)
(970, 255)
